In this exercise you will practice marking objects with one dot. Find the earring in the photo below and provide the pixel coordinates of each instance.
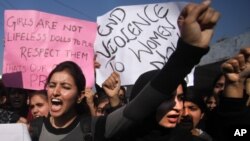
(79, 101)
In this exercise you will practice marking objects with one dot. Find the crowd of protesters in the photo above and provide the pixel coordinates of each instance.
(159, 107)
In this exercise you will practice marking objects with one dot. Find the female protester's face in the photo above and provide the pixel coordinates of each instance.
(62, 94)
(219, 86)
(39, 106)
(100, 110)
(170, 119)
(211, 103)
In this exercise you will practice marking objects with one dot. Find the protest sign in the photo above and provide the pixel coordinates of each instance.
(35, 42)
(14, 132)
(134, 39)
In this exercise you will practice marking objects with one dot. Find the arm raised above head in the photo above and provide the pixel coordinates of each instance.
(236, 71)
(196, 23)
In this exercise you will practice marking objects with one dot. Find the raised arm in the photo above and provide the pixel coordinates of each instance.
(111, 87)
(236, 71)
(232, 112)
(197, 22)
(89, 94)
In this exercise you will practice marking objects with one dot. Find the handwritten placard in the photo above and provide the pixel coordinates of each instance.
(135, 39)
(35, 42)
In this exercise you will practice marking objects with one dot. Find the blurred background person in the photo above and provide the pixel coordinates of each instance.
(17, 101)
(194, 110)
(7, 116)
(38, 103)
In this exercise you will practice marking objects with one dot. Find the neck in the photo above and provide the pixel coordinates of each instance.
(63, 121)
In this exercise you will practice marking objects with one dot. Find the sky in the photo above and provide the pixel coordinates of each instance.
(234, 13)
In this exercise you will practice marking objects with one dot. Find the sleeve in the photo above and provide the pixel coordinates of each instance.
(158, 90)
(161, 87)
(35, 128)
(14, 117)
(229, 115)
(229, 106)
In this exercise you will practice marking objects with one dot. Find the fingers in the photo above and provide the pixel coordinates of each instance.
(197, 22)
(196, 10)
(229, 66)
(246, 52)
(209, 18)
(192, 11)
(112, 81)
(88, 92)
(245, 57)
(240, 64)
(215, 17)
(206, 16)
(234, 65)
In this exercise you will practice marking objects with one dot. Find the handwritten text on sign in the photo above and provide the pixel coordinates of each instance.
(35, 42)
(135, 39)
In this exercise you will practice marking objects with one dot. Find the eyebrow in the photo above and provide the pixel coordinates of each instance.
(55, 82)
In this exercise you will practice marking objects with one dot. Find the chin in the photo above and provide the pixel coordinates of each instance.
(171, 126)
(168, 125)
(55, 114)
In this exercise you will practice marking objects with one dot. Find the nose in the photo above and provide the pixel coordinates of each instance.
(56, 91)
(34, 111)
(185, 111)
(178, 104)
(213, 105)
(16, 94)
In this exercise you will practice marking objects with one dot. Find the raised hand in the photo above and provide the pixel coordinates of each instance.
(197, 22)
(111, 87)
(236, 71)
(89, 94)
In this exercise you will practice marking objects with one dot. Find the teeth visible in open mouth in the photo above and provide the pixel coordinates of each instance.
(56, 101)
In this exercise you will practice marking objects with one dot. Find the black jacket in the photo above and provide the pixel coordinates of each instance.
(135, 121)
(230, 115)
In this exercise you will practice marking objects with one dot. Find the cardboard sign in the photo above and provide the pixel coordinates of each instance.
(14, 132)
(35, 42)
(134, 39)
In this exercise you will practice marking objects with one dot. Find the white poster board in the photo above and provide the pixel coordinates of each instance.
(134, 39)
(14, 132)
